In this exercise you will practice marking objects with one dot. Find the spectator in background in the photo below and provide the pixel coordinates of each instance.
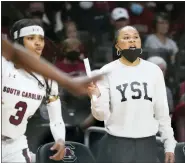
(141, 18)
(159, 39)
(70, 30)
(119, 19)
(105, 6)
(71, 62)
(36, 11)
(152, 6)
(163, 65)
(8, 18)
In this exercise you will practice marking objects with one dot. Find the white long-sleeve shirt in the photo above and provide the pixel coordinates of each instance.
(133, 102)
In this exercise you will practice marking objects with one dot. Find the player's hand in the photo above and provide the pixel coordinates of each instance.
(79, 85)
(59, 146)
(93, 90)
(169, 157)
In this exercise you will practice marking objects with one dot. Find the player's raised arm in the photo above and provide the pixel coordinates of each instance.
(23, 57)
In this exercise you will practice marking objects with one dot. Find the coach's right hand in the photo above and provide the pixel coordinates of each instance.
(93, 90)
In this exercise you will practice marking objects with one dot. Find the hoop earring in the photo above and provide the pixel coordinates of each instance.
(141, 51)
(118, 53)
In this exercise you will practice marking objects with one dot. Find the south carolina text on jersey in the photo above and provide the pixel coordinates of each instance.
(23, 93)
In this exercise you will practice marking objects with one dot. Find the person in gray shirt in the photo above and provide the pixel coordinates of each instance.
(159, 40)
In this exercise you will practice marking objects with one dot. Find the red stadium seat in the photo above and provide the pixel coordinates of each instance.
(182, 88)
(178, 120)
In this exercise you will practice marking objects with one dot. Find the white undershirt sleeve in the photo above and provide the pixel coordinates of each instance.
(161, 111)
(57, 125)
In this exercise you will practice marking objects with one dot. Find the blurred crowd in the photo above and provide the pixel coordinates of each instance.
(76, 30)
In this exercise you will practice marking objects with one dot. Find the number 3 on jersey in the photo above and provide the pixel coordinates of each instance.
(21, 110)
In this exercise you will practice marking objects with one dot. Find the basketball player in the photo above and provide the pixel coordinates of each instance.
(133, 104)
(24, 90)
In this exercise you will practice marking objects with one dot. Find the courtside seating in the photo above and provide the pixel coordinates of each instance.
(75, 152)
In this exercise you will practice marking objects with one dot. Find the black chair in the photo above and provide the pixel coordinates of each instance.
(75, 152)
(92, 137)
(180, 153)
(74, 109)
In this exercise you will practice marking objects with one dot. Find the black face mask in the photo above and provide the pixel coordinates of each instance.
(130, 54)
(72, 56)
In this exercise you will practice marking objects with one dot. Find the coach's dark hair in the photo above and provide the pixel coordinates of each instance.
(17, 26)
(114, 50)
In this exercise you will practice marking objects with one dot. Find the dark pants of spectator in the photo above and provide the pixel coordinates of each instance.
(114, 149)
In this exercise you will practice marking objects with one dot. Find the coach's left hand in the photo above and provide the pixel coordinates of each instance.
(59, 146)
(169, 157)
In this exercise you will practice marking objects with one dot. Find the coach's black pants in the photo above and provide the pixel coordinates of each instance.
(127, 150)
